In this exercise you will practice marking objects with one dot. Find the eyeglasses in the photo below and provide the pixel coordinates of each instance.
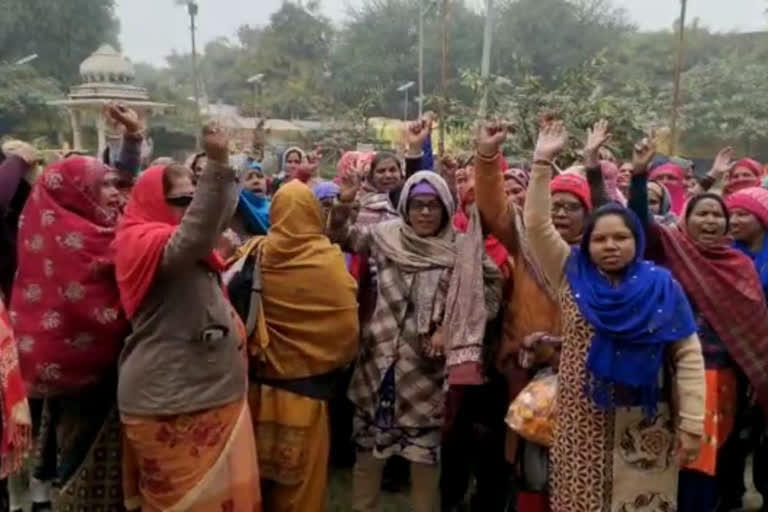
(425, 207)
(566, 207)
(180, 201)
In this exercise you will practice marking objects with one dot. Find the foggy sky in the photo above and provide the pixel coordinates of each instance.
(152, 29)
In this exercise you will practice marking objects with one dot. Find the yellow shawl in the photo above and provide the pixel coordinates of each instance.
(309, 323)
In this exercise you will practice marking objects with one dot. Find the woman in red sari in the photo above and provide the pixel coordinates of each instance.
(70, 327)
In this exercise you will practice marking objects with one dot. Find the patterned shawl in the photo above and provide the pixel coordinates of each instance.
(724, 285)
(65, 303)
(421, 255)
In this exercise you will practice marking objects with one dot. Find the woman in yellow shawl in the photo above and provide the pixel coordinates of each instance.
(306, 329)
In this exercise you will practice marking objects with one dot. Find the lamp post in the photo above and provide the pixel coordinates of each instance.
(405, 88)
(192, 10)
(485, 63)
(678, 76)
(423, 11)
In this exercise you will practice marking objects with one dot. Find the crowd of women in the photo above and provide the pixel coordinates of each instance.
(201, 337)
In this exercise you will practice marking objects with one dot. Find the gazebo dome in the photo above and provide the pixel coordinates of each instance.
(107, 65)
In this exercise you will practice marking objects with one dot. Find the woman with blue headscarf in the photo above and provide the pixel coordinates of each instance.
(629, 346)
(253, 206)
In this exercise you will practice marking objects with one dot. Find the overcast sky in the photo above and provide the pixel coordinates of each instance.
(152, 29)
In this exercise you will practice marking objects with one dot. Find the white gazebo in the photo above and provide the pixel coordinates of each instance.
(106, 76)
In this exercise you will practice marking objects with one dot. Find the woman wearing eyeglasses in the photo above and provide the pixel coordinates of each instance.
(182, 376)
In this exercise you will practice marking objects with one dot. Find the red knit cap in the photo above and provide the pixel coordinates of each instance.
(573, 184)
(752, 199)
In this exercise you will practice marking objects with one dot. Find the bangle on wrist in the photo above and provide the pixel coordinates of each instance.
(486, 156)
(544, 162)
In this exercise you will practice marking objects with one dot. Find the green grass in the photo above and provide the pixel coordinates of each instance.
(340, 495)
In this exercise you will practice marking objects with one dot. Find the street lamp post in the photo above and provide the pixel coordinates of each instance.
(193, 9)
(485, 63)
(405, 88)
(423, 12)
(678, 76)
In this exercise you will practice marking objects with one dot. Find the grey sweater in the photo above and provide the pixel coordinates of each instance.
(184, 353)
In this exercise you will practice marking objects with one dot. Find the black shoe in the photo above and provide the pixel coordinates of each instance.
(42, 507)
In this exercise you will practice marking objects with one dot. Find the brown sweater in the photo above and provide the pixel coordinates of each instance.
(530, 308)
(551, 251)
(185, 353)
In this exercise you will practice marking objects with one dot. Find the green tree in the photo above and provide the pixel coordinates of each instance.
(61, 33)
(544, 37)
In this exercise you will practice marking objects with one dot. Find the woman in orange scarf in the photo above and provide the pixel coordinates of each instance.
(305, 330)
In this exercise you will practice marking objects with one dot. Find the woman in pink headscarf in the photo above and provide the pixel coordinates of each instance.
(744, 173)
(672, 176)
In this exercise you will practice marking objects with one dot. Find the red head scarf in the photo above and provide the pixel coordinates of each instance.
(147, 225)
(734, 185)
(573, 184)
(65, 303)
(677, 189)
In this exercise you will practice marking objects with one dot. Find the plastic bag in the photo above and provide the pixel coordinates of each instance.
(533, 413)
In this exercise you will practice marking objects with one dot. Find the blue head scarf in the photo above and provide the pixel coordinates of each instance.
(633, 321)
(325, 190)
(254, 209)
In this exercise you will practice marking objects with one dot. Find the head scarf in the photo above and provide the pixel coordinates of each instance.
(611, 182)
(352, 160)
(465, 306)
(288, 151)
(665, 215)
(65, 302)
(147, 225)
(573, 184)
(634, 321)
(325, 190)
(519, 175)
(724, 287)
(755, 201)
(733, 185)
(677, 189)
(255, 212)
(493, 247)
(17, 420)
(304, 330)
(422, 189)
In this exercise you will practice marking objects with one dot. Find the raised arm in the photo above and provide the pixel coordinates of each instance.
(547, 246)
(211, 209)
(340, 228)
(128, 161)
(414, 134)
(597, 137)
(642, 154)
(714, 180)
(497, 214)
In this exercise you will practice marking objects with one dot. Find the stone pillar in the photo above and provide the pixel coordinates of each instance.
(77, 138)
(101, 130)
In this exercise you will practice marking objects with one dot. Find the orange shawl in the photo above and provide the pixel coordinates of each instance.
(309, 324)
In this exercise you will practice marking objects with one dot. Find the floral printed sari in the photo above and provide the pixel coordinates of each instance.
(198, 462)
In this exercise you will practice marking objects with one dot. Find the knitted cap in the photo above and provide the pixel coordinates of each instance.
(752, 199)
(573, 184)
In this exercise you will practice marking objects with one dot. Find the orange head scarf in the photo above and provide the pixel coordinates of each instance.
(309, 324)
